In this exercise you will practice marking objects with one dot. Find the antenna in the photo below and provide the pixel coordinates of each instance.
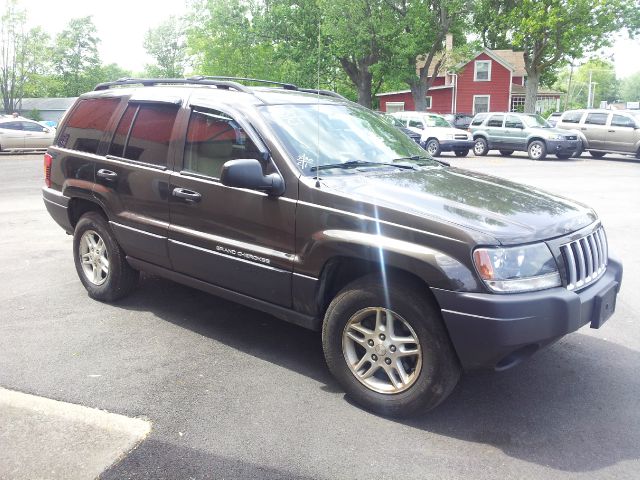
(318, 107)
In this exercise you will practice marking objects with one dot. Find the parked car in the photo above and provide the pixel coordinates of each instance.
(396, 122)
(315, 210)
(605, 131)
(437, 135)
(553, 118)
(459, 120)
(508, 132)
(18, 133)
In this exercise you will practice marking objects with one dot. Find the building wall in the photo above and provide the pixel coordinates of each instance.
(498, 88)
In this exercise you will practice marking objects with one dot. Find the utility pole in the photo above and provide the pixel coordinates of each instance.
(566, 99)
(589, 94)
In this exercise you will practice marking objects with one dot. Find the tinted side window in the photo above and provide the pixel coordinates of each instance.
(513, 122)
(214, 138)
(495, 121)
(86, 124)
(32, 127)
(596, 119)
(122, 132)
(572, 117)
(12, 125)
(416, 124)
(622, 121)
(150, 134)
(478, 119)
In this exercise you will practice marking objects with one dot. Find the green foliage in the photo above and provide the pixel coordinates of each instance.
(167, 45)
(34, 115)
(601, 71)
(630, 88)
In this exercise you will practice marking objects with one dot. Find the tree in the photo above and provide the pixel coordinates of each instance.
(167, 45)
(75, 57)
(552, 32)
(601, 72)
(12, 55)
(424, 26)
(630, 88)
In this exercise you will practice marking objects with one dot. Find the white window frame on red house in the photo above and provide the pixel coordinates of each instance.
(488, 97)
(475, 71)
(429, 102)
(396, 107)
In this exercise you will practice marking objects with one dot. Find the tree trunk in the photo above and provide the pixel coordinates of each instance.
(359, 74)
(419, 93)
(531, 91)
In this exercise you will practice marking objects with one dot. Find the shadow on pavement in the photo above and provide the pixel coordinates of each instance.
(573, 407)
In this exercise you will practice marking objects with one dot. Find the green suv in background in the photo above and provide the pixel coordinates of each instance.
(508, 132)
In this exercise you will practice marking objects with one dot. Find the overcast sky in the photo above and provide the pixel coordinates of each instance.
(122, 24)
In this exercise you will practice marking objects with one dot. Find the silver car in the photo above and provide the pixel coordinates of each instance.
(605, 131)
(23, 134)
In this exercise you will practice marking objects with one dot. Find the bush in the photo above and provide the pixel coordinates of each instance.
(34, 115)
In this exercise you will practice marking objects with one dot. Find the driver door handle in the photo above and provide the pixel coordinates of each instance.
(189, 195)
(106, 174)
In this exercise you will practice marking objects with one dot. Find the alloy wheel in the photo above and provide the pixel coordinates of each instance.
(94, 257)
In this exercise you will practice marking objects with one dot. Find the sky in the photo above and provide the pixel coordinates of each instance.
(122, 24)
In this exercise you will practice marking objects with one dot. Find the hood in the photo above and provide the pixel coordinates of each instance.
(510, 212)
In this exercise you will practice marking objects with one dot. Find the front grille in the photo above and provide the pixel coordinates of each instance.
(571, 137)
(585, 259)
(460, 136)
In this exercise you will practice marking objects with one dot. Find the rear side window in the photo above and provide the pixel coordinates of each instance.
(596, 119)
(87, 123)
(214, 138)
(144, 133)
(622, 121)
(572, 117)
(495, 121)
(11, 125)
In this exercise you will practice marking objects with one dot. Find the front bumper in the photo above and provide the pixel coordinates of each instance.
(563, 146)
(497, 331)
(453, 145)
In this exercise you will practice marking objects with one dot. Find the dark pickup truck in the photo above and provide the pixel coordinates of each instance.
(315, 210)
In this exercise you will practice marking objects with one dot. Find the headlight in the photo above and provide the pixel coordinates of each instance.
(517, 269)
(555, 136)
(448, 136)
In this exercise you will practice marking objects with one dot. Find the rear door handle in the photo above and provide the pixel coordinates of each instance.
(107, 174)
(189, 195)
(612, 131)
(583, 128)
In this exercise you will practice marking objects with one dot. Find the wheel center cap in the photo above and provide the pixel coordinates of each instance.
(380, 350)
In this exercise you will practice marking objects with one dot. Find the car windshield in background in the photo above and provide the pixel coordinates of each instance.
(333, 135)
(536, 121)
(436, 121)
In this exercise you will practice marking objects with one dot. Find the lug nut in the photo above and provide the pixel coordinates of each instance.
(387, 361)
(370, 342)
(374, 357)
(392, 348)
(382, 337)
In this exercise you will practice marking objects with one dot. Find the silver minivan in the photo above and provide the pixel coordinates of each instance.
(605, 131)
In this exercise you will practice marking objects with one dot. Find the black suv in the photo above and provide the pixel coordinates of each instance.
(315, 210)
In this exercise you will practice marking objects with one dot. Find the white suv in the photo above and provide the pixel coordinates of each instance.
(437, 134)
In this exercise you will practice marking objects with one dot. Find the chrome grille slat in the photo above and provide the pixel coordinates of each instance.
(585, 259)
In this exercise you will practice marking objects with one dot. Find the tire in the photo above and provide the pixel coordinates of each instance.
(506, 153)
(94, 242)
(433, 147)
(564, 156)
(597, 154)
(578, 152)
(480, 147)
(431, 375)
(537, 150)
(461, 153)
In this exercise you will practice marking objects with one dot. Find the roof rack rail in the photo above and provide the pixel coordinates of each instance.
(148, 82)
(286, 86)
(327, 93)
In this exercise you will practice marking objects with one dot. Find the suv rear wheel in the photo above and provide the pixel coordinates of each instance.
(461, 153)
(433, 147)
(480, 147)
(596, 154)
(537, 150)
(391, 360)
(506, 153)
(99, 260)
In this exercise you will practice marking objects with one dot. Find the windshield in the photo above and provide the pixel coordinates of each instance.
(535, 121)
(322, 135)
(436, 121)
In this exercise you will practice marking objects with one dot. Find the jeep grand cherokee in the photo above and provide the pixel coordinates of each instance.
(317, 211)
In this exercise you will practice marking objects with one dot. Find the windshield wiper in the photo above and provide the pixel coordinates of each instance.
(422, 157)
(360, 163)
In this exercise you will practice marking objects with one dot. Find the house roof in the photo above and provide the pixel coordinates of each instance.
(439, 87)
(516, 59)
(508, 58)
(55, 104)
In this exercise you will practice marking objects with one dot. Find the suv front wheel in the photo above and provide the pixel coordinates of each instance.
(433, 147)
(537, 150)
(395, 358)
(100, 262)
(480, 147)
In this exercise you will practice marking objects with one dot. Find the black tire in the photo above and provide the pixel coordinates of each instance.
(578, 152)
(506, 153)
(480, 147)
(120, 279)
(433, 147)
(537, 150)
(440, 369)
(461, 153)
(597, 154)
(564, 156)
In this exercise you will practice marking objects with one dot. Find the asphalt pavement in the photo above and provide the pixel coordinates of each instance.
(234, 393)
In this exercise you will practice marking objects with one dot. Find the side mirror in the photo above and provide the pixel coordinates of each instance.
(46, 130)
(247, 173)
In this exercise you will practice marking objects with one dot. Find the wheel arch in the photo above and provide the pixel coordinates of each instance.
(79, 206)
(533, 139)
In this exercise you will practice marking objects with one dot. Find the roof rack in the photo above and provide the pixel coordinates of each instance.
(148, 82)
(217, 81)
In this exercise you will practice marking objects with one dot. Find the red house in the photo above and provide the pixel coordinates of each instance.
(491, 81)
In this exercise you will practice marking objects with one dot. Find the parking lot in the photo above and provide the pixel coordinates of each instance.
(233, 393)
